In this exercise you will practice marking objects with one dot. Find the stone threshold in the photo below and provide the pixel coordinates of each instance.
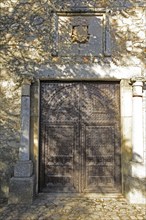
(81, 195)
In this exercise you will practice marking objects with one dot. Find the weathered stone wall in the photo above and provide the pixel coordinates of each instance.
(144, 120)
(9, 129)
(29, 49)
(28, 33)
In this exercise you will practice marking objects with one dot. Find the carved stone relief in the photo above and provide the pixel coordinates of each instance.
(81, 34)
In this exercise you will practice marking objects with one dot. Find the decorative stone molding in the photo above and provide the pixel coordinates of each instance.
(137, 88)
(107, 46)
(54, 22)
(137, 85)
(29, 80)
(81, 34)
(137, 78)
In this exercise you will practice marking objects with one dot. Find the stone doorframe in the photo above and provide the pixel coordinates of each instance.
(24, 184)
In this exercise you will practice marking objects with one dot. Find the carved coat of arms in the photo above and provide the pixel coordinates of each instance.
(80, 34)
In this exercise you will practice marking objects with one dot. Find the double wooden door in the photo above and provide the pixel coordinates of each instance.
(79, 137)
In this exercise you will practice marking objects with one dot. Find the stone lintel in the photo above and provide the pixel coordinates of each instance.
(23, 169)
(21, 190)
(81, 71)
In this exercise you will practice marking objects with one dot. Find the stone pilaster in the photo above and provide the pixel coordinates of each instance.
(137, 125)
(22, 184)
(137, 175)
(24, 151)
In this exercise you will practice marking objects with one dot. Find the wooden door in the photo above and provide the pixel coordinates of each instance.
(79, 137)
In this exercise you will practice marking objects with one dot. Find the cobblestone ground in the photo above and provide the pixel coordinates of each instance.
(51, 207)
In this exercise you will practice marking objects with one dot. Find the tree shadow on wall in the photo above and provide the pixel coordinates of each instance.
(9, 136)
(28, 38)
(27, 43)
(133, 184)
(79, 137)
(69, 205)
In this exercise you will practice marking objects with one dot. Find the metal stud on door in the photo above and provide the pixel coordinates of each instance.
(79, 137)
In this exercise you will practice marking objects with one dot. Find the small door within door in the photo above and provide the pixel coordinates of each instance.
(79, 137)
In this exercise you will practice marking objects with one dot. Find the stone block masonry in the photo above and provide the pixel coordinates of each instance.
(21, 190)
(70, 40)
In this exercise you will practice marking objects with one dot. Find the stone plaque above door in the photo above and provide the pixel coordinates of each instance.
(78, 34)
